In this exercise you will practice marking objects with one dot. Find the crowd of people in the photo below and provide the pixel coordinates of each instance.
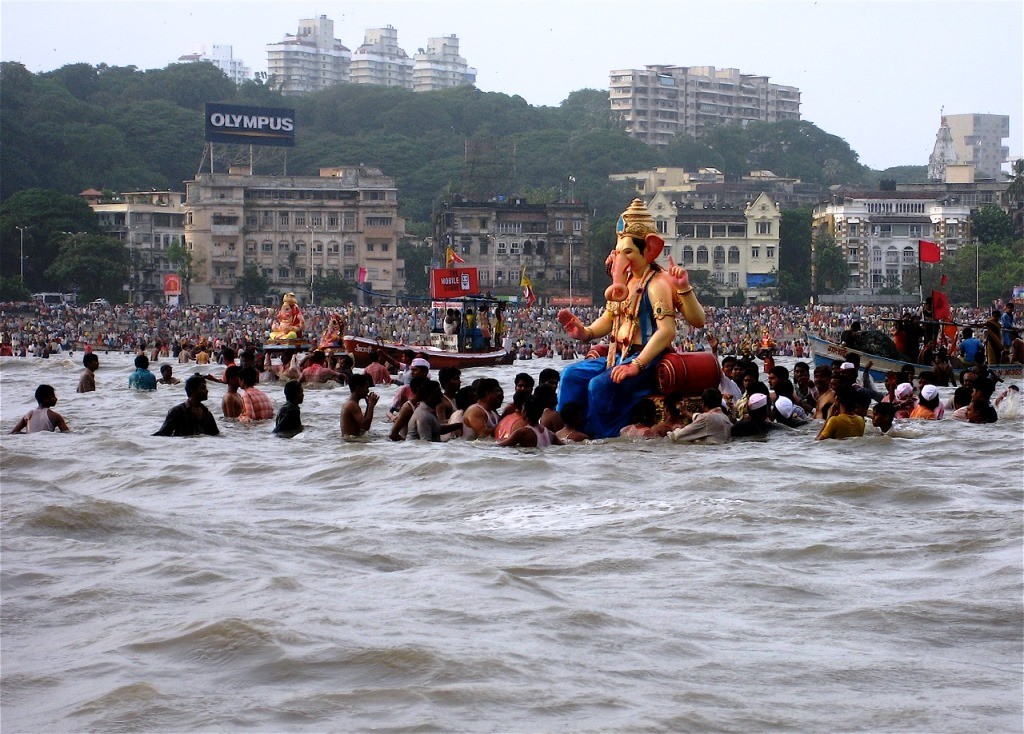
(752, 399)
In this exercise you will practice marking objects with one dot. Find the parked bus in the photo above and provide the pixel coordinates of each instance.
(54, 299)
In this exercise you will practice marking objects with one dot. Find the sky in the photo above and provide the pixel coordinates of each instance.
(877, 73)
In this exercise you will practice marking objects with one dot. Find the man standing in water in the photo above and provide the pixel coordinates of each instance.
(354, 422)
(190, 418)
(87, 382)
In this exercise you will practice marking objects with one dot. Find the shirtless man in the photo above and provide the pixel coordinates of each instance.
(482, 417)
(231, 404)
(354, 422)
(450, 379)
(42, 418)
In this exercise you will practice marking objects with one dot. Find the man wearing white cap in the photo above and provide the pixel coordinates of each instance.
(756, 423)
(418, 367)
(928, 406)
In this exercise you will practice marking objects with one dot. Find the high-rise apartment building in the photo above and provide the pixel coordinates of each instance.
(440, 66)
(222, 56)
(879, 231)
(659, 102)
(978, 141)
(380, 60)
(341, 223)
(311, 60)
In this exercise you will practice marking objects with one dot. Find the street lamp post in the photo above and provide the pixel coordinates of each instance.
(21, 262)
(571, 238)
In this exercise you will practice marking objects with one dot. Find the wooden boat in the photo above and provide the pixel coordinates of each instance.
(826, 352)
(360, 348)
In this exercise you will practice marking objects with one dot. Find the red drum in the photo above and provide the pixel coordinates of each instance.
(690, 373)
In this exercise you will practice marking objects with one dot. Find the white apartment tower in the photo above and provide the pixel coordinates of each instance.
(978, 141)
(311, 60)
(380, 60)
(659, 102)
(440, 66)
(221, 56)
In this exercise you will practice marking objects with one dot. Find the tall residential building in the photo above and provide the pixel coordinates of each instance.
(502, 238)
(221, 56)
(380, 60)
(659, 102)
(293, 228)
(311, 60)
(878, 231)
(978, 141)
(148, 222)
(440, 66)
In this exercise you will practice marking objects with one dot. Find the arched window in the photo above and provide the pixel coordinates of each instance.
(719, 254)
(527, 248)
(687, 255)
(908, 255)
(702, 254)
(734, 255)
(540, 247)
(892, 255)
(876, 254)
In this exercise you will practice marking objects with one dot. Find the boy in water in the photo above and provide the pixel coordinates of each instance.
(42, 418)
(87, 382)
(190, 418)
(289, 418)
(354, 422)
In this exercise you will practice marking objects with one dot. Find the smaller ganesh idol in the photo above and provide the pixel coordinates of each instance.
(331, 338)
(289, 321)
(639, 318)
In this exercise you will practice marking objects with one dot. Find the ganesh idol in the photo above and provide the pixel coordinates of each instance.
(640, 321)
(289, 322)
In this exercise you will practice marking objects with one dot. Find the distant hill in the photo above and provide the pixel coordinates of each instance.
(121, 129)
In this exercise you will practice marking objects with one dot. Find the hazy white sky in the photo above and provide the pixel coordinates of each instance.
(877, 73)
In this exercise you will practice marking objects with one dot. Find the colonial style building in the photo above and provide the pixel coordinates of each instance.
(708, 186)
(343, 222)
(879, 232)
(311, 60)
(737, 245)
(659, 102)
(149, 223)
(501, 238)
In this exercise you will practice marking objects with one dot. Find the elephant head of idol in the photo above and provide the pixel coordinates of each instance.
(638, 245)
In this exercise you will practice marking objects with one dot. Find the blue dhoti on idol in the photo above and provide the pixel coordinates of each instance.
(607, 405)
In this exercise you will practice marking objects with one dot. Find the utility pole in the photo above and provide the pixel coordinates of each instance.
(22, 260)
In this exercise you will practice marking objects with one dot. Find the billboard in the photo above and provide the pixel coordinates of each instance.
(172, 284)
(453, 283)
(230, 123)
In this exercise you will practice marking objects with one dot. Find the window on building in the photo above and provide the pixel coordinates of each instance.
(282, 273)
(250, 246)
(559, 225)
(333, 219)
(703, 231)
(908, 255)
(763, 228)
(914, 230)
(251, 220)
(284, 247)
(852, 254)
(770, 252)
(369, 247)
(483, 245)
(737, 230)
(734, 279)
(385, 247)
(318, 247)
(268, 247)
(719, 255)
(660, 224)
(755, 252)
(734, 255)
(300, 272)
(499, 277)
(483, 222)
(282, 220)
(348, 221)
(268, 272)
(577, 226)
(350, 249)
(348, 273)
(702, 255)
(502, 250)
(687, 255)
(316, 220)
(853, 229)
(267, 219)
(876, 254)
(892, 255)
(300, 219)
(516, 248)
(332, 248)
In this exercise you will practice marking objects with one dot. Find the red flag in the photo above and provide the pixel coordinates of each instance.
(945, 279)
(940, 306)
(450, 256)
(928, 252)
(362, 276)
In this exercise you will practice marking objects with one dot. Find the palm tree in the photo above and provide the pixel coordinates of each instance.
(1013, 197)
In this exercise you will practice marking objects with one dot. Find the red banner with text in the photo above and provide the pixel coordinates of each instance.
(453, 283)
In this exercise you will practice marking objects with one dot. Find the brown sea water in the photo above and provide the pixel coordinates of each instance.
(248, 582)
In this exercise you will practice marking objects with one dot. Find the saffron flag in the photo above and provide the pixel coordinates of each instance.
(928, 252)
(940, 306)
(527, 286)
(450, 256)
